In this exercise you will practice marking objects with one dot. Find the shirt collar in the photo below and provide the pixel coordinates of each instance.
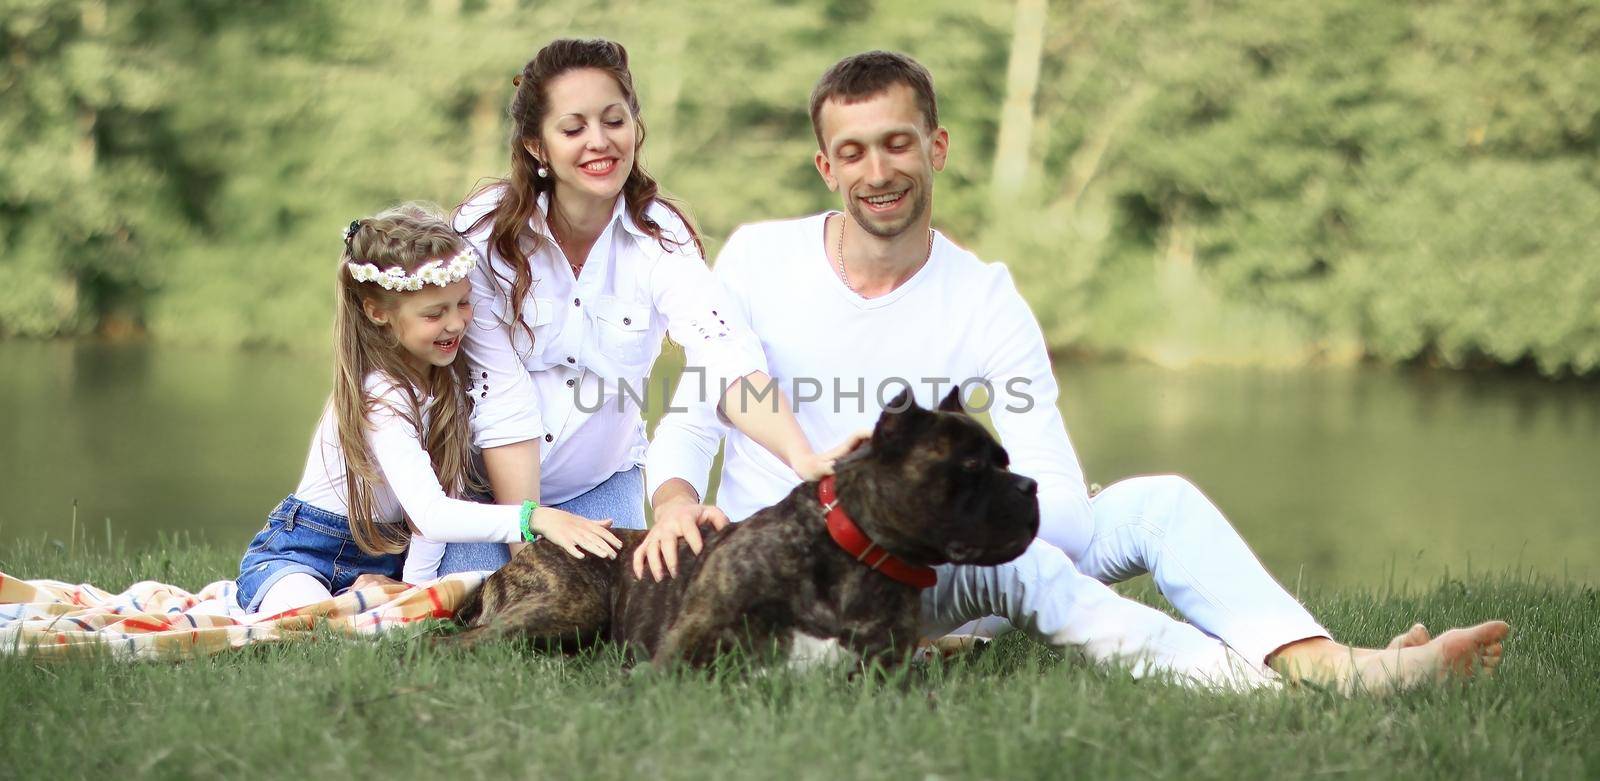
(619, 213)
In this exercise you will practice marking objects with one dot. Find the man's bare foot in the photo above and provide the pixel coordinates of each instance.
(1410, 659)
(1416, 635)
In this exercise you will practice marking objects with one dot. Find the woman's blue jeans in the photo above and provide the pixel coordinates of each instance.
(620, 498)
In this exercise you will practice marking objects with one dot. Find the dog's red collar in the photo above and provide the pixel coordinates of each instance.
(855, 542)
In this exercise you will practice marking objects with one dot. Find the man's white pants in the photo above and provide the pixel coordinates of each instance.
(1162, 525)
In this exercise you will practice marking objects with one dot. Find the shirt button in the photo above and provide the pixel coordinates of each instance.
(577, 302)
(571, 383)
(571, 359)
(549, 437)
(627, 321)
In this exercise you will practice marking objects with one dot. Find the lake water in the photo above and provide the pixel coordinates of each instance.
(1335, 476)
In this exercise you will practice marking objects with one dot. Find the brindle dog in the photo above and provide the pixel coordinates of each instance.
(932, 487)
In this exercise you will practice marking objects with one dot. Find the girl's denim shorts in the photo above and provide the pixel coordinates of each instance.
(301, 538)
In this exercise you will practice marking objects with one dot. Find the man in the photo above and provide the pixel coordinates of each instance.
(852, 307)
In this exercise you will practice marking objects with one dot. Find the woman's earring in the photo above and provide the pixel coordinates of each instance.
(542, 171)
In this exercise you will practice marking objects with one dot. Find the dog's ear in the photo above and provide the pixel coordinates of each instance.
(952, 402)
(898, 425)
(903, 402)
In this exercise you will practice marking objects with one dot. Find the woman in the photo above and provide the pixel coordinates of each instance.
(585, 268)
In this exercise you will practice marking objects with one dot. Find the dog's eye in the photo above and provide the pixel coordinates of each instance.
(972, 465)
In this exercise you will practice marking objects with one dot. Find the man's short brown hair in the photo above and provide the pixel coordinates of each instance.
(869, 74)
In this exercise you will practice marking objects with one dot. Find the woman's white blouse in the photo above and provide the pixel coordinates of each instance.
(577, 383)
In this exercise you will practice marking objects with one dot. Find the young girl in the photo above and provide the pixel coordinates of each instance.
(393, 442)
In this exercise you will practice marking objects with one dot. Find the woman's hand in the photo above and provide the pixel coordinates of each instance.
(675, 520)
(575, 534)
(815, 466)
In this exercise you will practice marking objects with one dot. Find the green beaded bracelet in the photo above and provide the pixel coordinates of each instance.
(526, 518)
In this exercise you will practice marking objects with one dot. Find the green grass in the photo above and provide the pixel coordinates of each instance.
(336, 708)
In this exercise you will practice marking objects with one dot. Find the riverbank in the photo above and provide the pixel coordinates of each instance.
(1336, 477)
(398, 708)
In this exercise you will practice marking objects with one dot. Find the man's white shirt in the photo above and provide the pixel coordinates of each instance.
(841, 358)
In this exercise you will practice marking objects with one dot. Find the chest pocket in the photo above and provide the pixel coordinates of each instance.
(540, 321)
(538, 314)
(623, 330)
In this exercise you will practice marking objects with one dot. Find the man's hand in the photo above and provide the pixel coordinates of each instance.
(815, 466)
(678, 519)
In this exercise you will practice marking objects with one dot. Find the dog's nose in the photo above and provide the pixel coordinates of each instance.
(1027, 485)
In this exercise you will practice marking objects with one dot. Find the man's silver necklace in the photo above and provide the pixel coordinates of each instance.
(844, 277)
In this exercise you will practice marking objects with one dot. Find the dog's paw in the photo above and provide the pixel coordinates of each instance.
(644, 672)
(951, 647)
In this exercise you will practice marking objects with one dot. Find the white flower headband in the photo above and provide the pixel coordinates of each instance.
(434, 272)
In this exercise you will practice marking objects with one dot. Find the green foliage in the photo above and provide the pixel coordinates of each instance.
(1411, 179)
(1238, 181)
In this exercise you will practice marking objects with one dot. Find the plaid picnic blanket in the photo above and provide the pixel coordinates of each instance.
(156, 621)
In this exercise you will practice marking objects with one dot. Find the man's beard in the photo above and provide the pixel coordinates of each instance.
(864, 218)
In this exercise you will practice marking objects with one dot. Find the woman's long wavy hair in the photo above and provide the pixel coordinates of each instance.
(519, 192)
(407, 236)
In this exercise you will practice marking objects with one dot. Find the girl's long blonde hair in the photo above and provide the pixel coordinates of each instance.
(408, 236)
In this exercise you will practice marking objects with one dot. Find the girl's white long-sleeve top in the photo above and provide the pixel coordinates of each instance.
(410, 488)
